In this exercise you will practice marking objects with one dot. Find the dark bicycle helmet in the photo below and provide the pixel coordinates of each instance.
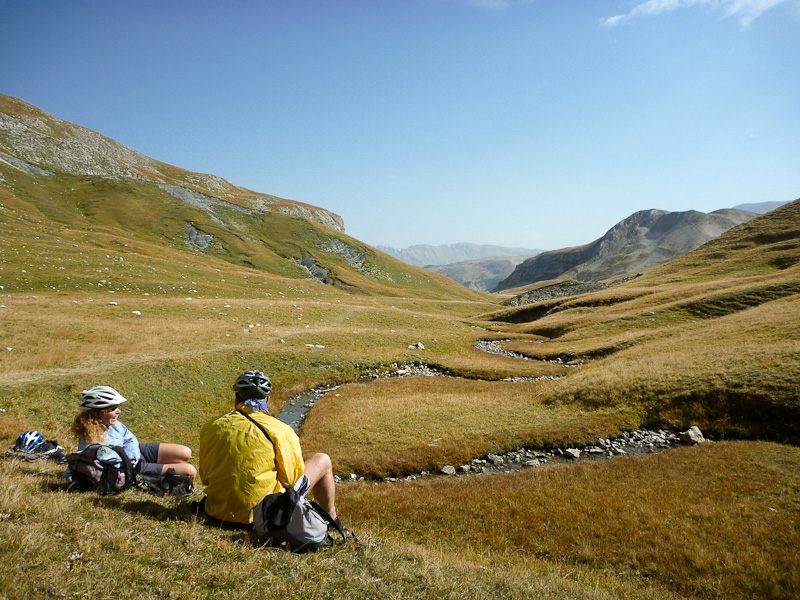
(252, 384)
(28, 440)
(101, 396)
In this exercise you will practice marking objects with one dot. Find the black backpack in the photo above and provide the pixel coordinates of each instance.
(47, 450)
(104, 476)
(165, 484)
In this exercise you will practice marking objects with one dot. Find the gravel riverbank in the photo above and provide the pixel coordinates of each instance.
(630, 443)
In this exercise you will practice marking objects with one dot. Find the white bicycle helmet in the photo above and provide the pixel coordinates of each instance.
(101, 396)
(252, 384)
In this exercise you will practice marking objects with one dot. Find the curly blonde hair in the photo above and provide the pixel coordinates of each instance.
(89, 425)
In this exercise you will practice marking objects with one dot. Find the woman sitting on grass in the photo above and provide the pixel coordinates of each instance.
(99, 423)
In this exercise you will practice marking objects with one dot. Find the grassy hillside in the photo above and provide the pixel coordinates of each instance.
(100, 285)
(666, 526)
(137, 221)
(710, 338)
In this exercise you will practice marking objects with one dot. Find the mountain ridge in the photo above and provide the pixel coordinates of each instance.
(43, 144)
(644, 239)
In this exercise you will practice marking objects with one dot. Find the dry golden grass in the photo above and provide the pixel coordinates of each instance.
(718, 520)
(618, 310)
(405, 425)
(721, 352)
(51, 331)
(736, 375)
(57, 544)
(703, 344)
(478, 364)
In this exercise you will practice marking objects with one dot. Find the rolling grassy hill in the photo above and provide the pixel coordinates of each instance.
(102, 284)
(710, 337)
(61, 179)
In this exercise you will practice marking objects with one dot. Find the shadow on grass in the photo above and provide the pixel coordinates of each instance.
(141, 504)
(145, 506)
(182, 509)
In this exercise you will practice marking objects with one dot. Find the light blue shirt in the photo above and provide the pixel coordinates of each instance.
(119, 435)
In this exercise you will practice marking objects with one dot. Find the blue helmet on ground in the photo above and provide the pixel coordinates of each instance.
(29, 440)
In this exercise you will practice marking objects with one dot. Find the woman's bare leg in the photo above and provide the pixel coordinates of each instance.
(176, 456)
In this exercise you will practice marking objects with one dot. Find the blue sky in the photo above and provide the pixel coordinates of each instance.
(536, 123)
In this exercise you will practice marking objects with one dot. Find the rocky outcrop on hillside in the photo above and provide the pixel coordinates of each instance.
(424, 255)
(40, 143)
(42, 139)
(645, 239)
(564, 289)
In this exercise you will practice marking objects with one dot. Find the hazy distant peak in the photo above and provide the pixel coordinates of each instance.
(760, 207)
(423, 255)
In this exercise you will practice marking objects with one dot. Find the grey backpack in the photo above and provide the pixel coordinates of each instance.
(290, 521)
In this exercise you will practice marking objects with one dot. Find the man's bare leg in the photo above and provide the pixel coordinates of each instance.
(319, 471)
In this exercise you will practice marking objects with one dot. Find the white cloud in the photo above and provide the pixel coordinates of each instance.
(746, 11)
(656, 7)
(614, 21)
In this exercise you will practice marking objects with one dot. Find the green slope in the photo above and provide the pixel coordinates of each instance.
(153, 205)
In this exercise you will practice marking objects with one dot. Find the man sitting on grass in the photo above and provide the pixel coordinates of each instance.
(239, 466)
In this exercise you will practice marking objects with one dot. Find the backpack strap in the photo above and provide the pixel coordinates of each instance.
(256, 423)
(127, 464)
(332, 523)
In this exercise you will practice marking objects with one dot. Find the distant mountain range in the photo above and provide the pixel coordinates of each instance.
(423, 255)
(481, 274)
(644, 239)
(760, 207)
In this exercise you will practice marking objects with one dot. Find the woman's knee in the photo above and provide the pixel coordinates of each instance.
(184, 453)
(181, 468)
(170, 453)
(188, 469)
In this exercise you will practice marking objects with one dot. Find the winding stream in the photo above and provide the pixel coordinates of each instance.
(631, 443)
(295, 409)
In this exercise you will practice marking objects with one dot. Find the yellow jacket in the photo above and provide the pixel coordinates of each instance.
(238, 465)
